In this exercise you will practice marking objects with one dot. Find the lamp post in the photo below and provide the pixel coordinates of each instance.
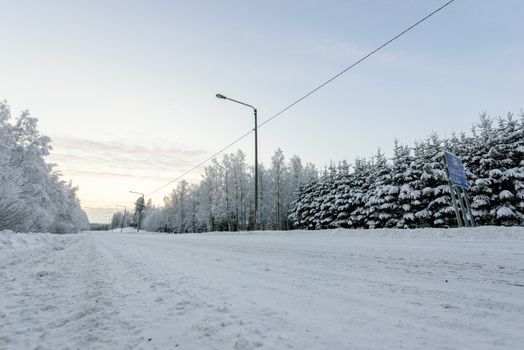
(256, 151)
(139, 209)
(124, 217)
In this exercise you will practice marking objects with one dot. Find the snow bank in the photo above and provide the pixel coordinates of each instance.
(16, 242)
(483, 232)
(10, 240)
(480, 232)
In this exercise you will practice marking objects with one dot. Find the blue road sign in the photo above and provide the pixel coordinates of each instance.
(457, 173)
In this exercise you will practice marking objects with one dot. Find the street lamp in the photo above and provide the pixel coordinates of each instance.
(139, 209)
(256, 151)
(124, 217)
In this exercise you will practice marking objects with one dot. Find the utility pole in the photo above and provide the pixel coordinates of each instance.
(256, 151)
(256, 169)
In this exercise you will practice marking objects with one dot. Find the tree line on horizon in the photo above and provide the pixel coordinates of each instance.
(409, 190)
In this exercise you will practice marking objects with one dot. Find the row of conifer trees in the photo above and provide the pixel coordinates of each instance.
(410, 190)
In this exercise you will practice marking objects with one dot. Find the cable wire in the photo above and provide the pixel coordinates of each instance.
(356, 63)
(201, 163)
(307, 94)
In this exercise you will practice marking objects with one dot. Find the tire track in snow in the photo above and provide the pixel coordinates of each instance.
(229, 269)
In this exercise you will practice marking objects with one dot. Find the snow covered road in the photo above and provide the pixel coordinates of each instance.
(384, 289)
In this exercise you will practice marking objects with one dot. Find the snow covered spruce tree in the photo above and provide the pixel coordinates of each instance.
(517, 169)
(483, 138)
(327, 213)
(381, 202)
(403, 178)
(359, 192)
(32, 195)
(507, 175)
(436, 199)
(342, 196)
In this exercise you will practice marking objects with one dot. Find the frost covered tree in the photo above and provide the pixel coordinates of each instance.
(435, 191)
(403, 178)
(359, 192)
(153, 219)
(480, 163)
(381, 202)
(342, 196)
(32, 195)
(516, 172)
(278, 179)
(506, 174)
(265, 203)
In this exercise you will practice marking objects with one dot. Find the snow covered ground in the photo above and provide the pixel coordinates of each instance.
(339, 289)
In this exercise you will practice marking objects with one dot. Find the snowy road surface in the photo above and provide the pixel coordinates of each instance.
(436, 289)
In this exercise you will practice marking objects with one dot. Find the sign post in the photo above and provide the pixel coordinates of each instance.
(468, 205)
(458, 185)
(454, 201)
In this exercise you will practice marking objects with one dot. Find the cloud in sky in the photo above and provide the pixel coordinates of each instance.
(105, 171)
(80, 154)
(102, 214)
(103, 174)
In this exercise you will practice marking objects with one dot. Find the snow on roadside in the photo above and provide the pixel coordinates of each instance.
(10, 241)
(14, 243)
(484, 232)
(481, 232)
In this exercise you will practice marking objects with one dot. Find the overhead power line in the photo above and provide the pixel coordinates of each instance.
(306, 95)
(356, 63)
(201, 163)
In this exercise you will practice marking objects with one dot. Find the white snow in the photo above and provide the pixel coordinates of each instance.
(505, 212)
(336, 289)
(506, 195)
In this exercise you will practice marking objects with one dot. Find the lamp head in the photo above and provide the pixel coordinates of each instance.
(221, 96)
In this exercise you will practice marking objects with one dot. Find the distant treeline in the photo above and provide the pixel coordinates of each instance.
(99, 227)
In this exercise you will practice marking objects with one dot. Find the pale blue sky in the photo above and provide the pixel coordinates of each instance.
(121, 83)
